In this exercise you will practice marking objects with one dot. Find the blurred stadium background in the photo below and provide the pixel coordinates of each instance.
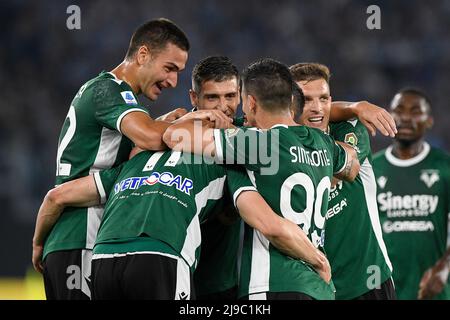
(43, 64)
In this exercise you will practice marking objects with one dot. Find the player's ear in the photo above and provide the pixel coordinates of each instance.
(194, 98)
(430, 122)
(143, 55)
(251, 103)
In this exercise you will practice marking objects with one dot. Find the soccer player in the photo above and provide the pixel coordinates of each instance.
(104, 120)
(414, 201)
(215, 86)
(291, 167)
(360, 265)
(149, 239)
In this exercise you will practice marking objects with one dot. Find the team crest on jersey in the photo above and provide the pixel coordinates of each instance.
(129, 98)
(231, 132)
(382, 181)
(429, 177)
(351, 139)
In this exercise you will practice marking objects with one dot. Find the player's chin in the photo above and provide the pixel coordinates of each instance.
(316, 124)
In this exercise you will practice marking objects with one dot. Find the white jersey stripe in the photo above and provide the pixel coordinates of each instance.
(106, 156)
(260, 268)
(183, 285)
(119, 120)
(213, 191)
(370, 192)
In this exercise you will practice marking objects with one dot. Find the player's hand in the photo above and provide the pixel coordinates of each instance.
(375, 118)
(434, 280)
(37, 257)
(324, 269)
(173, 115)
(219, 119)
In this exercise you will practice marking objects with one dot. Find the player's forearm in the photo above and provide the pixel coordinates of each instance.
(342, 111)
(81, 192)
(193, 136)
(285, 235)
(352, 165)
(149, 136)
(145, 132)
(292, 241)
(47, 217)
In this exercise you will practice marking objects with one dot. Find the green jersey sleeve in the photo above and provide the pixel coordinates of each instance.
(113, 101)
(249, 147)
(353, 133)
(238, 182)
(105, 180)
(340, 158)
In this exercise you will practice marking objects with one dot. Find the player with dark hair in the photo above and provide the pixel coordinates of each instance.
(104, 120)
(149, 239)
(290, 165)
(215, 86)
(414, 201)
(353, 239)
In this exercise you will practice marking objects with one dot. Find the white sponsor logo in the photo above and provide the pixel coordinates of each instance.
(336, 209)
(128, 97)
(408, 205)
(429, 177)
(404, 226)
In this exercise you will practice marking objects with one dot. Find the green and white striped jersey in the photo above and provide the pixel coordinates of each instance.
(90, 141)
(163, 196)
(414, 202)
(291, 167)
(354, 242)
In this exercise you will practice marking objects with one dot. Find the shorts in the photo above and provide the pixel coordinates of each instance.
(67, 275)
(141, 275)
(385, 292)
(278, 296)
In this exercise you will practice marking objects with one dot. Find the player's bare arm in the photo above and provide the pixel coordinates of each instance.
(435, 278)
(81, 192)
(145, 132)
(173, 115)
(373, 117)
(352, 165)
(285, 235)
(196, 136)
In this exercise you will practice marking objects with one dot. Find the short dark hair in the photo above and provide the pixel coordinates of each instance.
(417, 92)
(156, 34)
(216, 68)
(270, 82)
(298, 101)
(310, 71)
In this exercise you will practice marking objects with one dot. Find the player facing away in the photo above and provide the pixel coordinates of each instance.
(149, 239)
(104, 120)
(360, 265)
(215, 86)
(413, 200)
(290, 165)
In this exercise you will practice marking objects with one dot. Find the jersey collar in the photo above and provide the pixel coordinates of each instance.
(279, 125)
(408, 162)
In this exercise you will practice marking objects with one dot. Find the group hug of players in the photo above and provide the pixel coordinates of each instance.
(278, 204)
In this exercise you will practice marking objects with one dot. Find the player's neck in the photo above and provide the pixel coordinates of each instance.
(126, 72)
(267, 121)
(407, 151)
